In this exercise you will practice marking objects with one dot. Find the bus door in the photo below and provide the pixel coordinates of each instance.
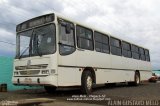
(67, 53)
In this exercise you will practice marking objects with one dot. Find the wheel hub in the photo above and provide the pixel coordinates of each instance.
(89, 82)
(137, 79)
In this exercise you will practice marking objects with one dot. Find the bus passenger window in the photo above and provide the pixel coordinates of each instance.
(135, 52)
(115, 46)
(147, 55)
(84, 38)
(126, 49)
(142, 55)
(101, 42)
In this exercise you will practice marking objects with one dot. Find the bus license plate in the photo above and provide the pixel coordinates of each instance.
(28, 80)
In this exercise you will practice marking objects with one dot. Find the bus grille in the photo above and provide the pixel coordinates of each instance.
(41, 66)
(30, 72)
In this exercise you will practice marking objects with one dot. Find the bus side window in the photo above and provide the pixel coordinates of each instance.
(101, 42)
(126, 49)
(142, 54)
(115, 46)
(147, 55)
(66, 40)
(135, 52)
(84, 38)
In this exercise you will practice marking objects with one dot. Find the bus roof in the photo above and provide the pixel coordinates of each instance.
(93, 28)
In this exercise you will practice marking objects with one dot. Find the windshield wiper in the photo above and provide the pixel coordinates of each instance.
(37, 49)
(24, 52)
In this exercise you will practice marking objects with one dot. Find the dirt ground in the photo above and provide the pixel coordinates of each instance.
(101, 95)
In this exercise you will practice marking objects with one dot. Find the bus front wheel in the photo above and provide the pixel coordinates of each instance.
(50, 89)
(87, 82)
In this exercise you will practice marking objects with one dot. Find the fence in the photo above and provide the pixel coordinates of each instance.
(6, 70)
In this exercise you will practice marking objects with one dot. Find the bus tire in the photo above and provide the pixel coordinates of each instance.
(87, 82)
(136, 80)
(50, 89)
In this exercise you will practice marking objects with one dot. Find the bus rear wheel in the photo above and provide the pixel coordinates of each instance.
(50, 89)
(136, 80)
(87, 82)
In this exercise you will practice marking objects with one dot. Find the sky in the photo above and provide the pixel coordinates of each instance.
(136, 21)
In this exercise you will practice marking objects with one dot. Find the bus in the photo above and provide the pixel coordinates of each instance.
(54, 51)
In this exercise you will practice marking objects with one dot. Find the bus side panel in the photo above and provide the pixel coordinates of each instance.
(119, 62)
(144, 65)
(145, 70)
(89, 58)
(116, 62)
(113, 76)
(68, 76)
(66, 71)
(129, 63)
(145, 75)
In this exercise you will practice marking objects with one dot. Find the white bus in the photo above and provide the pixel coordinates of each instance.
(53, 51)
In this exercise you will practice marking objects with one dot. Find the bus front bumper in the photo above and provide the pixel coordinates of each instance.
(50, 80)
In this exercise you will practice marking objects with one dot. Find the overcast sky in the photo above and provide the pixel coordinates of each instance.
(137, 21)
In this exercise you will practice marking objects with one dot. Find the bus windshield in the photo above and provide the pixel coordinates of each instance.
(36, 42)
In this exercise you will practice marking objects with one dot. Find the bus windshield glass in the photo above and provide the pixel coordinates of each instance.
(36, 42)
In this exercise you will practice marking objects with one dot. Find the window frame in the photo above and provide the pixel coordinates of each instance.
(62, 24)
(137, 52)
(102, 43)
(120, 47)
(140, 48)
(126, 49)
(147, 55)
(25, 56)
(77, 37)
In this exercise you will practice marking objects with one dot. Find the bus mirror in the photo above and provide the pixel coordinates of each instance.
(68, 28)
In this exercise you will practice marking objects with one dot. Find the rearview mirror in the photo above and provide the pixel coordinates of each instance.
(68, 28)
